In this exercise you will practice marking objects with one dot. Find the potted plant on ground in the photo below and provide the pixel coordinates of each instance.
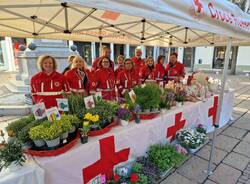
(52, 135)
(201, 129)
(37, 135)
(84, 132)
(12, 156)
(191, 139)
(124, 114)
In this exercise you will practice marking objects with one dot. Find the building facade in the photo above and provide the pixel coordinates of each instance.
(198, 58)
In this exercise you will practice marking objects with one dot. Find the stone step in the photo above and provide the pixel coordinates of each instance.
(14, 110)
(17, 86)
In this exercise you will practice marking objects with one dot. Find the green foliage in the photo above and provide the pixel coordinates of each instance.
(73, 119)
(37, 132)
(137, 167)
(76, 104)
(65, 124)
(12, 152)
(52, 132)
(165, 156)
(16, 126)
(23, 134)
(147, 97)
(142, 179)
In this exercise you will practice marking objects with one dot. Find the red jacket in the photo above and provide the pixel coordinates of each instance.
(118, 70)
(78, 83)
(159, 71)
(176, 71)
(126, 80)
(139, 63)
(46, 88)
(147, 74)
(104, 80)
(95, 64)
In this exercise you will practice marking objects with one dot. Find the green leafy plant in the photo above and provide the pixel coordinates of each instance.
(85, 129)
(73, 119)
(12, 152)
(165, 156)
(37, 132)
(65, 124)
(76, 104)
(16, 126)
(147, 97)
(52, 132)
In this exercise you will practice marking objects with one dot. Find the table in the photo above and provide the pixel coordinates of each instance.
(30, 173)
(102, 153)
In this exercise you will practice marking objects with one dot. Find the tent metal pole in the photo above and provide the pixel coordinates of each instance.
(218, 114)
(100, 42)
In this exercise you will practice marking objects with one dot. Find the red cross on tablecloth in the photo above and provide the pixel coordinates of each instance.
(213, 110)
(109, 158)
(179, 124)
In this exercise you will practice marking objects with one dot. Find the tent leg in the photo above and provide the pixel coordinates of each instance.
(224, 78)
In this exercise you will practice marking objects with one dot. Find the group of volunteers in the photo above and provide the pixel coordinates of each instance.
(48, 85)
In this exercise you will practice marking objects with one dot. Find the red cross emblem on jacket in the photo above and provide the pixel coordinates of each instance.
(103, 80)
(46, 88)
(126, 80)
(78, 80)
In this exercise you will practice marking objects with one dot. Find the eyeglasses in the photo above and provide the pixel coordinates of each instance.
(105, 61)
(128, 63)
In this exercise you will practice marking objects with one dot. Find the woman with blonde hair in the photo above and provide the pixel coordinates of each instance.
(48, 85)
(147, 73)
(78, 77)
(120, 61)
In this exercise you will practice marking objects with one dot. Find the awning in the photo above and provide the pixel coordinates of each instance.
(155, 22)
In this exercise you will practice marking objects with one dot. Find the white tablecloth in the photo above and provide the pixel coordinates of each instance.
(28, 174)
(68, 168)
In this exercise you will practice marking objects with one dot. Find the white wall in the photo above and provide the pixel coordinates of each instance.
(180, 54)
(205, 54)
(243, 57)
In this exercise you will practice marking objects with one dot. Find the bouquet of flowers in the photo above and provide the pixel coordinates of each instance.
(123, 114)
(190, 138)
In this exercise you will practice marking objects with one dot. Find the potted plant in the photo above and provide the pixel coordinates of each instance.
(201, 129)
(66, 127)
(12, 156)
(84, 132)
(137, 111)
(52, 135)
(37, 135)
(3, 142)
(124, 114)
(191, 139)
(167, 98)
(180, 97)
(93, 120)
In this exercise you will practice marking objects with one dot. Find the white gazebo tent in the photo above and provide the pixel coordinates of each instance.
(166, 23)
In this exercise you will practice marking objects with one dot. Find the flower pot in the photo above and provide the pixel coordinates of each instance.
(94, 127)
(179, 104)
(11, 139)
(28, 145)
(154, 110)
(124, 122)
(84, 139)
(103, 124)
(137, 118)
(193, 151)
(73, 129)
(39, 143)
(64, 135)
(53, 143)
(146, 111)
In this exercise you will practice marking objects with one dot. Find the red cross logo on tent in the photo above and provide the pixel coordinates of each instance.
(109, 158)
(213, 110)
(179, 124)
(198, 5)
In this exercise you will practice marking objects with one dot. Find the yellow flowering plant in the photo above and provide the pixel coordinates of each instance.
(85, 129)
(92, 118)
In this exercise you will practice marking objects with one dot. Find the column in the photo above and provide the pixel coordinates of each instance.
(93, 52)
(112, 51)
(127, 51)
(143, 50)
(234, 60)
(10, 54)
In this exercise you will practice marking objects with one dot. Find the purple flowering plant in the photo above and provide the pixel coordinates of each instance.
(123, 113)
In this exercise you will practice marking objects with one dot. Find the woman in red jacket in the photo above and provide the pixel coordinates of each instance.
(48, 85)
(120, 61)
(159, 69)
(103, 79)
(147, 73)
(78, 77)
(128, 78)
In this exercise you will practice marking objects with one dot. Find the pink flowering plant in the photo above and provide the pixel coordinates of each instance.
(201, 128)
